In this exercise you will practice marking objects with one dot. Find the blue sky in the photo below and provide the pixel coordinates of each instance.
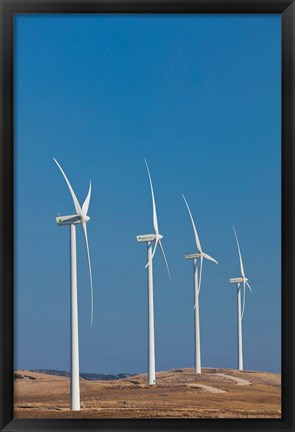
(199, 98)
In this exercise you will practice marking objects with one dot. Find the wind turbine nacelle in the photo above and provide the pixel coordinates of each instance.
(193, 256)
(146, 238)
(236, 280)
(68, 220)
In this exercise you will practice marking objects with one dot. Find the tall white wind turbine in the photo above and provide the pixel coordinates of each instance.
(241, 308)
(79, 218)
(197, 286)
(155, 238)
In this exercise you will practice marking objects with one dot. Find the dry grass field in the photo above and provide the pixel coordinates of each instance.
(179, 393)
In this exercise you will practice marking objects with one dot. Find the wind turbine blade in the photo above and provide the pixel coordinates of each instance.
(155, 219)
(210, 258)
(154, 251)
(244, 300)
(241, 261)
(85, 205)
(249, 287)
(89, 266)
(200, 276)
(194, 226)
(165, 259)
(76, 202)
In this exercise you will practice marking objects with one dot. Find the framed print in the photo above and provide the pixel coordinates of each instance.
(147, 215)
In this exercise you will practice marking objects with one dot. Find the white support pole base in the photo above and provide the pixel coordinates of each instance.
(151, 330)
(240, 336)
(75, 384)
(197, 321)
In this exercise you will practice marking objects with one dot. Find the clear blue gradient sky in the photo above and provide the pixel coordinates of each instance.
(199, 98)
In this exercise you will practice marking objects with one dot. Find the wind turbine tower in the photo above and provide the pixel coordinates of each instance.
(200, 255)
(241, 307)
(79, 218)
(149, 239)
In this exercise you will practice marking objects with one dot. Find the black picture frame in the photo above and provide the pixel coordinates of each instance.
(8, 9)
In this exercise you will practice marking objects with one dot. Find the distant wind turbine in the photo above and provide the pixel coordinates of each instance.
(241, 309)
(79, 218)
(149, 239)
(197, 286)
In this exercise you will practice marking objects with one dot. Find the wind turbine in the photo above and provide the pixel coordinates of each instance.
(241, 309)
(197, 286)
(79, 218)
(149, 239)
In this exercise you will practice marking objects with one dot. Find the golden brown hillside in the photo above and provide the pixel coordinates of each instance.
(217, 393)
